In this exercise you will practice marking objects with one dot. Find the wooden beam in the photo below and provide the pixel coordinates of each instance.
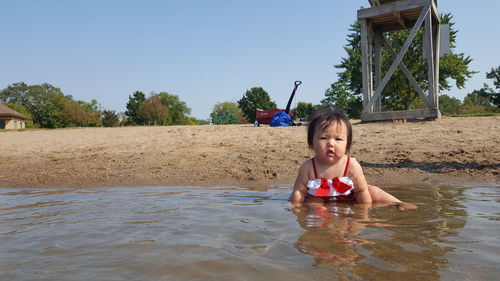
(393, 8)
(403, 114)
(401, 20)
(369, 62)
(429, 57)
(378, 67)
(389, 27)
(399, 57)
(364, 59)
(437, 47)
(435, 12)
(407, 73)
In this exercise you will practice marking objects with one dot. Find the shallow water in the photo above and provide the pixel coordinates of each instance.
(234, 233)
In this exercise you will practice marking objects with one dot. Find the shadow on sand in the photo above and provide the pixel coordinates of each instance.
(434, 167)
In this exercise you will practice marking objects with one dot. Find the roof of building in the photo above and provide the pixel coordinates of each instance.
(6, 111)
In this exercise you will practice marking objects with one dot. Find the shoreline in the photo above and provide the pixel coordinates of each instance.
(450, 150)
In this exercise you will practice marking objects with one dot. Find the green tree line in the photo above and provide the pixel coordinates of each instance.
(49, 107)
(158, 109)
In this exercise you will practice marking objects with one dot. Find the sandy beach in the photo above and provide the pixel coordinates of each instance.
(444, 151)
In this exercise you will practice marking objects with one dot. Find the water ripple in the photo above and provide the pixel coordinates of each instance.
(188, 233)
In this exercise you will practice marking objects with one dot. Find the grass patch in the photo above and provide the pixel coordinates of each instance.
(478, 114)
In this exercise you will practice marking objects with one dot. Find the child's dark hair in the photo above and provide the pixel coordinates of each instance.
(323, 118)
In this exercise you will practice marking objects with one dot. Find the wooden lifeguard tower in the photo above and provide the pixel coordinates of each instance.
(389, 16)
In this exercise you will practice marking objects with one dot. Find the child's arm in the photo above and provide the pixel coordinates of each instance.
(358, 178)
(300, 187)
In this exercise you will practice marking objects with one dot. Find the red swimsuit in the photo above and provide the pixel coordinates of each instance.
(336, 189)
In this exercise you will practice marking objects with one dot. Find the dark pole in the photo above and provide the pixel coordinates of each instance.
(297, 83)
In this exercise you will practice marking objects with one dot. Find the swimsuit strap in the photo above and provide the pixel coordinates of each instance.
(345, 171)
(346, 166)
(314, 167)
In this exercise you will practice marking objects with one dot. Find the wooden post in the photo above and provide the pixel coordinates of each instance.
(369, 53)
(429, 57)
(378, 68)
(437, 47)
(364, 61)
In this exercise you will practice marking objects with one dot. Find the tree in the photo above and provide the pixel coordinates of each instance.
(192, 121)
(178, 111)
(14, 94)
(398, 93)
(477, 98)
(77, 114)
(49, 107)
(110, 118)
(495, 75)
(228, 108)
(484, 99)
(44, 102)
(449, 105)
(490, 93)
(304, 109)
(202, 121)
(92, 106)
(338, 96)
(123, 118)
(242, 119)
(133, 104)
(225, 108)
(153, 111)
(253, 99)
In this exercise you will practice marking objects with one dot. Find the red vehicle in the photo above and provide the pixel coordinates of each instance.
(265, 116)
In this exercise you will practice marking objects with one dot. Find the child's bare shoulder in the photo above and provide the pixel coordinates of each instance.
(354, 165)
(303, 175)
(353, 161)
(306, 166)
(308, 163)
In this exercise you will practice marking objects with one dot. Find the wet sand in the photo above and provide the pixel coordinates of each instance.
(447, 150)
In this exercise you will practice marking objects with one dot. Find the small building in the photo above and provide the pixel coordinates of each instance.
(11, 119)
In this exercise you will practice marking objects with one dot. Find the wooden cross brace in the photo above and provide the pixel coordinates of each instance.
(398, 62)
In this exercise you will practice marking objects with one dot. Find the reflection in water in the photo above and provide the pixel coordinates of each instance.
(380, 243)
(331, 231)
(227, 233)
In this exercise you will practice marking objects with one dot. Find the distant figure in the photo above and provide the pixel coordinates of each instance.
(256, 123)
(331, 175)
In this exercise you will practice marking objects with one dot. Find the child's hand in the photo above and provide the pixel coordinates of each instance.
(404, 206)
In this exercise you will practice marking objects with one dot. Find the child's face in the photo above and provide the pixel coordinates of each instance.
(329, 144)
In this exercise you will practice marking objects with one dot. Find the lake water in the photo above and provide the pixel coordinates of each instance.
(236, 233)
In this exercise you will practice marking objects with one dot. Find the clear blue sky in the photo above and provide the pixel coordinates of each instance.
(204, 51)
